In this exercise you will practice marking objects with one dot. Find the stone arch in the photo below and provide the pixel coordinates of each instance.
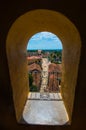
(20, 32)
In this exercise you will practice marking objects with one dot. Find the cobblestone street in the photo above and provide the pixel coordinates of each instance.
(44, 74)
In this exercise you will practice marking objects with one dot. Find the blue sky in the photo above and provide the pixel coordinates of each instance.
(44, 41)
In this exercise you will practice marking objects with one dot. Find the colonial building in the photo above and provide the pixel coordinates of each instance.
(35, 71)
(54, 77)
(34, 59)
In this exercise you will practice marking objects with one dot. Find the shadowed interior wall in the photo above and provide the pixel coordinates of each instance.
(20, 32)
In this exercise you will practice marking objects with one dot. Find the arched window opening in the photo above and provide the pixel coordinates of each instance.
(46, 110)
(44, 56)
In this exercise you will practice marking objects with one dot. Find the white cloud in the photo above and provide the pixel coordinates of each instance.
(44, 40)
(44, 35)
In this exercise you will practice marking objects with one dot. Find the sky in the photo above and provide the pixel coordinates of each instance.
(44, 41)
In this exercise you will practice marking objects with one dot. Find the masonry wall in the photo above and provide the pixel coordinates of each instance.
(16, 51)
(18, 77)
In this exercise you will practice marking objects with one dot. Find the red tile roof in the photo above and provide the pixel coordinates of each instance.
(33, 57)
(55, 67)
(34, 66)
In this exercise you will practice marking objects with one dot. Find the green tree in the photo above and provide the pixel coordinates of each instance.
(33, 88)
(30, 79)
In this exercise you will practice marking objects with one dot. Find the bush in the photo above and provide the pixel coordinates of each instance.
(33, 88)
(30, 79)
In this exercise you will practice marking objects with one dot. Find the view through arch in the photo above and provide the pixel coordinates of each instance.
(26, 26)
(44, 56)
